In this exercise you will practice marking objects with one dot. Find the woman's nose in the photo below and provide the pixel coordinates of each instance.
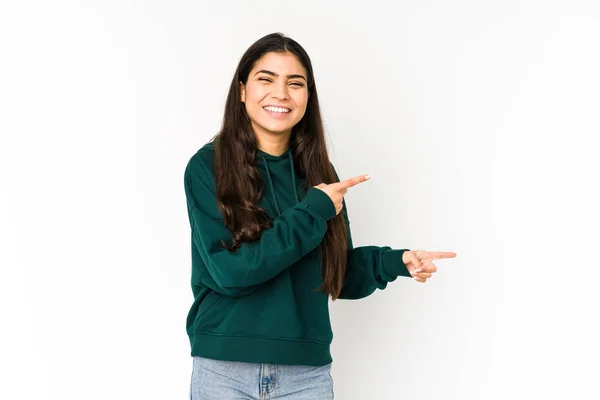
(281, 91)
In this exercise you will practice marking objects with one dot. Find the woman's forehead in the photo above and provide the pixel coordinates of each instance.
(280, 63)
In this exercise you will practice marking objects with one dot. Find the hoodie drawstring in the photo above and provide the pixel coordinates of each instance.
(271, 182)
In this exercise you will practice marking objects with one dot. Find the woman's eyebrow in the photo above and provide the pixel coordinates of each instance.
(264, 71)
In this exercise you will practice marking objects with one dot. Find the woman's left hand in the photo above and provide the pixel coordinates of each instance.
(420, 263)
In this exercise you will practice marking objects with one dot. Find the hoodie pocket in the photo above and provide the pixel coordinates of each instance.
(209, 301)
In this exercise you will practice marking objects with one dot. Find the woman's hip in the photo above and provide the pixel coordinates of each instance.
(224, 380)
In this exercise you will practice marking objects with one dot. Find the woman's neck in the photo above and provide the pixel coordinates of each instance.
(274, 145)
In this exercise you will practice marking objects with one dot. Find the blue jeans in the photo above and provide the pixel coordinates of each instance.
(229, 380)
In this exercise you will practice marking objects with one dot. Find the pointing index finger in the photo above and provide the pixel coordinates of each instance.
(436, 255)
(353, 181)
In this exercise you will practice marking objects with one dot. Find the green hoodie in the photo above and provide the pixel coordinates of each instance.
(259, 304)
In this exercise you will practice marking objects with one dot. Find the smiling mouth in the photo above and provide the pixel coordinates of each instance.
(281, 110)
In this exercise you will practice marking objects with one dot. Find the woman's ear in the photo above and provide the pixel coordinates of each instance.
(242, 92)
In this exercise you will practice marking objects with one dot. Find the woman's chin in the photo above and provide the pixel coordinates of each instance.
(277, 129)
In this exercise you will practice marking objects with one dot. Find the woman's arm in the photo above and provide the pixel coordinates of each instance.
(296, 232)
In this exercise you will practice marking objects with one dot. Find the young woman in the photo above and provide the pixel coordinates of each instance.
(271, 241)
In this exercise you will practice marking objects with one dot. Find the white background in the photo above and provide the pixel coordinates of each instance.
(478, 120)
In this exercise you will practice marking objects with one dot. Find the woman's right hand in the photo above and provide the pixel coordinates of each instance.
(336, 191)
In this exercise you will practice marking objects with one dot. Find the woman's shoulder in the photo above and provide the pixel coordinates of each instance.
(205, 155)
(201, 163)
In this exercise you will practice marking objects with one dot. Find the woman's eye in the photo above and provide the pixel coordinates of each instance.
(297, 84)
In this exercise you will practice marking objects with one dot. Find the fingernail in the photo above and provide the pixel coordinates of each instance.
(418, 270)
(368, 177)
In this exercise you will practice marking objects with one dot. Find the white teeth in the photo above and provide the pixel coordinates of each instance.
(277, 109)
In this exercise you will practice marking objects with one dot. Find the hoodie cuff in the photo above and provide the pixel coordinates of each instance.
(321, 203)
(393, 264)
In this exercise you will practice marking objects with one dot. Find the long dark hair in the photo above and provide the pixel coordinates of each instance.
(239, 185)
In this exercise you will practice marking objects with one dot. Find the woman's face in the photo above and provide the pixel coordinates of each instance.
(275, 94)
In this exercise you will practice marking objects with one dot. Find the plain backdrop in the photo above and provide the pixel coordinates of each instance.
(478, 121)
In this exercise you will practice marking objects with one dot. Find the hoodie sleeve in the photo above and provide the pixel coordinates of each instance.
(369, 267)
(296, 232)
